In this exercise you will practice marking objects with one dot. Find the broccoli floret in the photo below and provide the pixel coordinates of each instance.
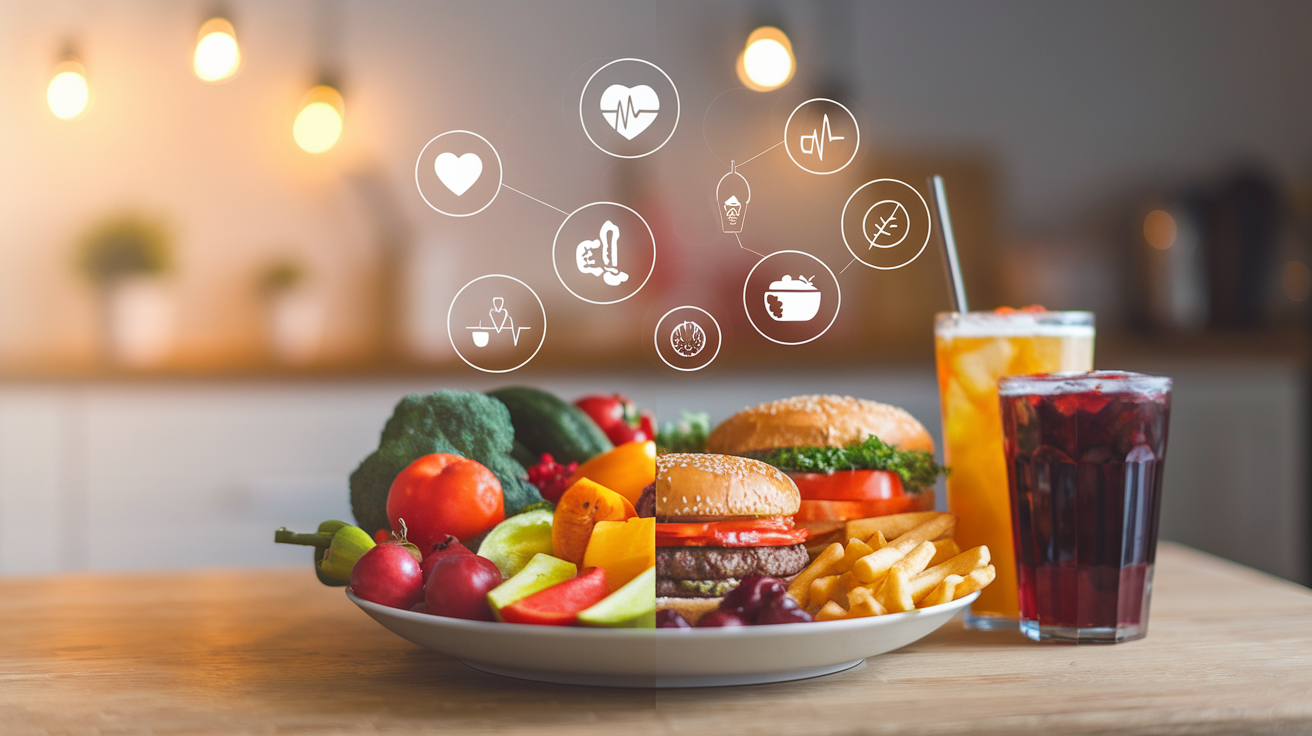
(465, 423)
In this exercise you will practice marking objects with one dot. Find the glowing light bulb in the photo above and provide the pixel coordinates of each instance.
(319, 123)
(766, 62)
(68, 93)
(1159, 229)
(217, 54)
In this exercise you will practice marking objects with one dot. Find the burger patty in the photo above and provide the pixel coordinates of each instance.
(718, 563)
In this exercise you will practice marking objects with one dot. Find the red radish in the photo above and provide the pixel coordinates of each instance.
(560, 604)
(445, 548)
(388, 575)
(458, 587)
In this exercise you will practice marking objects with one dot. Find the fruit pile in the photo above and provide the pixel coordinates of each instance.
(464, 529)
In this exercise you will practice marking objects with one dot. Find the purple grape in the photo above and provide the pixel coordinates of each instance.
(782, 609)
(670, 619)
(745, 600)
(720, 617)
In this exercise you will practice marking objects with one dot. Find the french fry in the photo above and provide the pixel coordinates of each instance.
(893, 593)
(832, 612)
(976, 580)
(856, 549)
(822, 590)
(869, 568)
(825, 564)
(944, 550)
(878, 541)
(864, 603)
(893, 525)
(846, 582)
(943, 593)
(961, 565)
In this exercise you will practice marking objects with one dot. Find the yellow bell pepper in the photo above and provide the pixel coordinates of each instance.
(627, 469)
(623, 548)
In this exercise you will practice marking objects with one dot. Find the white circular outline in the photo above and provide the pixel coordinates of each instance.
(928, 230)
(823, 265)
(855, 125)
(501, 174)
(719, 342)
(556, 267)
(678, 108)
(453, 306)
(906, 231)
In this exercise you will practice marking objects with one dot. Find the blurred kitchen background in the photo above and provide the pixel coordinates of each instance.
(205, 319)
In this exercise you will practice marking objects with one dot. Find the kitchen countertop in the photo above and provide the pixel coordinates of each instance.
(1229, 650)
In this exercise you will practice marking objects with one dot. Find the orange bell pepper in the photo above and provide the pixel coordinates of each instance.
(627, 469)
(581, 507)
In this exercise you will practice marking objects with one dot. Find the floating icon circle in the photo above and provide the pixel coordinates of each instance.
(604, 253)
(496, 323)
(791, 297)
(871, 220)
(458, 173)
(629, 108)
(688, 338)
(885, 224)
(821, 136)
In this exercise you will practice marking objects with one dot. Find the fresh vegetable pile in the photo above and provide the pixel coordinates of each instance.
(453, 522)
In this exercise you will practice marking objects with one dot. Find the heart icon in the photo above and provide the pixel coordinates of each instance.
(458, 173)
(629, 110)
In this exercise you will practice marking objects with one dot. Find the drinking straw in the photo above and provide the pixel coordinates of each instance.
(949, 244)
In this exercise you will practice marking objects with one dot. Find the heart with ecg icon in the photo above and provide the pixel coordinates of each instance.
(629, 110)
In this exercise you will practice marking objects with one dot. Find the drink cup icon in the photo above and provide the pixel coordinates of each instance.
(733, 193)
(789, 300)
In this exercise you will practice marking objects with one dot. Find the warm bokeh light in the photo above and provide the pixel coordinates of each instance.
(1296, 280)
(68, 92)
(1159, 229)
(319, 124)
(217, 55)
(766, 62)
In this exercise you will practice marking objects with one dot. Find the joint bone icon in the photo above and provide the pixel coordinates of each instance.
(792, 300)
(601, 257)
(733, 193)
(501, 321)
(687, 338)
(458, 173)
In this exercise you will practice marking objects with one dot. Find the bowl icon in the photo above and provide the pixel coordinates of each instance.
(480, 339)
(789, 300)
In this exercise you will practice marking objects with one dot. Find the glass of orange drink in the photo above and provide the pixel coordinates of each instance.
(973, 350)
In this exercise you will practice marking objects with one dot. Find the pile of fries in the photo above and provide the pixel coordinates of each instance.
(891, 564)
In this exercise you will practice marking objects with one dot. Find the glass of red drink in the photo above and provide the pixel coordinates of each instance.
(1085, 453)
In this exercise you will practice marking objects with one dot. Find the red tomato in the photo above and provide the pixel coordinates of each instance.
(740, 533)
(843, 510)
(848, 485)
(619, 418)
(444, 494)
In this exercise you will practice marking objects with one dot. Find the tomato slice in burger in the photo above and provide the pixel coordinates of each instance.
(739, 533)
(849, 485)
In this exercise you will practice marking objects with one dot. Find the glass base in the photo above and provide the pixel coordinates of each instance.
(990, 622)
(1085, 635)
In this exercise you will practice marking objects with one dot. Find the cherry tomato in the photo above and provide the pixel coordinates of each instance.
(443, 494)
(619, 418)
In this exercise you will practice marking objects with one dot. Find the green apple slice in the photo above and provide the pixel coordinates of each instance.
(513, 542)
(631, 607)
(541, 572)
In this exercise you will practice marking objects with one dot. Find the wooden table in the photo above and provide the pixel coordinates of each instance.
(1230, 651)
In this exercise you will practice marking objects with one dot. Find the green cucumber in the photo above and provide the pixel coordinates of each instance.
(546, 423)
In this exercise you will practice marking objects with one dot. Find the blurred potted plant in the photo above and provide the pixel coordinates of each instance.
(294, 313)
(126, 257)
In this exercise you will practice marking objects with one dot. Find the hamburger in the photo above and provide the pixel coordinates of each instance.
(849, 458)
(720, 519)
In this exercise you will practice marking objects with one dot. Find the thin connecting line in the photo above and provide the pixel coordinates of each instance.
(740, 245)
(535, 199)
(762, 153)
(849, 263)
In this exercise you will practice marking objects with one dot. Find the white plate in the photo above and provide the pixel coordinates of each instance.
(663, 657)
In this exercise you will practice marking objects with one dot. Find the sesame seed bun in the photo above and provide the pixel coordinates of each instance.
(821, 421)
(706, 487)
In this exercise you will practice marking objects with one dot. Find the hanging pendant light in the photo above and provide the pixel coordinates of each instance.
(68, 91)
(319, 123)
(766, 62)
(217, 55)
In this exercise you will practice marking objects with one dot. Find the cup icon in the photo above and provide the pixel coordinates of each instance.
(480, 339)
(789, 300)
(733, 193)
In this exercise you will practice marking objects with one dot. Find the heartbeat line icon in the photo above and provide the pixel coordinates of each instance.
(817, 142)
(629, 110)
